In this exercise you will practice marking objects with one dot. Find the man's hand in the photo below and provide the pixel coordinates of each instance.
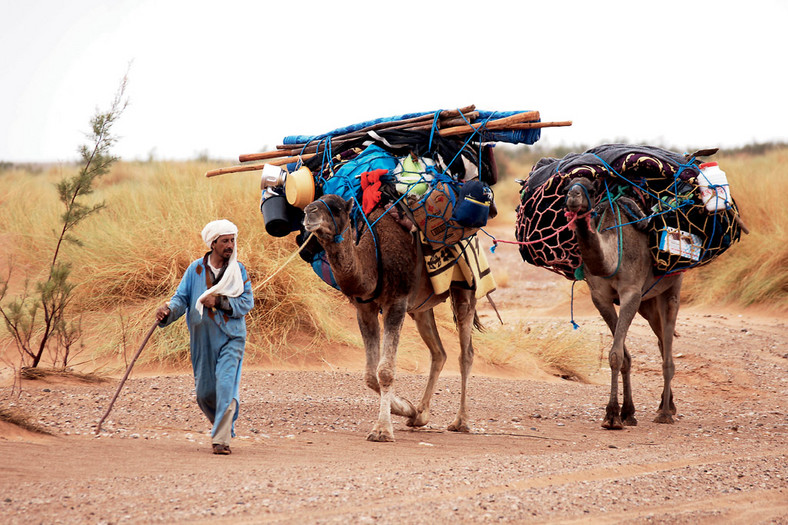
(162, 313)
(210, 301)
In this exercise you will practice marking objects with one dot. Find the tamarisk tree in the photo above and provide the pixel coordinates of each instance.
(39, 319)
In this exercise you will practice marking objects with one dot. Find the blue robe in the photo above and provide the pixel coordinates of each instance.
(217, 340)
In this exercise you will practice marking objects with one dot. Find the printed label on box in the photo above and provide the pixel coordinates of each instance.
(681, 243)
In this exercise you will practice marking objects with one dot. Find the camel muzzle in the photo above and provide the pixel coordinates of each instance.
(578, 197)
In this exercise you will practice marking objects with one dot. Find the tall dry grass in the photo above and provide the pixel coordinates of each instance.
(754, 271)
(135, 251)
(548, 345)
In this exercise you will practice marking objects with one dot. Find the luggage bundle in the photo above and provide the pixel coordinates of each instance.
(436, 167)
(691, 215)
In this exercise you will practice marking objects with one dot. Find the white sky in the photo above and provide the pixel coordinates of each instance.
(234, 77)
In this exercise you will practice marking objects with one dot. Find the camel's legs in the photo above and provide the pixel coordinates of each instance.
(393, 317)
(464, 306)
(367, 317)
(610, 316)
(630, 301)
(425, 321)
(668, 308)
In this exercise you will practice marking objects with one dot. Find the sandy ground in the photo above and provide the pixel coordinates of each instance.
(536, 453)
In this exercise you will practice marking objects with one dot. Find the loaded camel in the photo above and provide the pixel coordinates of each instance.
(618, 268)
(384, 273)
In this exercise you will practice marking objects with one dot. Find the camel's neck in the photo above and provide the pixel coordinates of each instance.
(353, 277)
(599, 250)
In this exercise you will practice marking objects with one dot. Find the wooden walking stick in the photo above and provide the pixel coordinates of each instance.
(126, 375)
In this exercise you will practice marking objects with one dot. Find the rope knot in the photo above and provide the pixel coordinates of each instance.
(571, 216)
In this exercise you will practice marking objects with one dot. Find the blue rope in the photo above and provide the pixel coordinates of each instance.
(364, 216)
(609, 168)
(585, 190)
(495, 241)
(476, 131)
(620, 232)
(433, 128)
(339, 236)
(575, 326)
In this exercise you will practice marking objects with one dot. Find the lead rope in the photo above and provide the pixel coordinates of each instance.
(292, 256)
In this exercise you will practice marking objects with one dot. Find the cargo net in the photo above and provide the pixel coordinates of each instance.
(426, 176)
(542, 229)
(683, 233)
(433, 213)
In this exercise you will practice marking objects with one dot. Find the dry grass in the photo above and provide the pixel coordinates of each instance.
(37, 373)
(135, 251)
(554, 348)
(754, 271)
(15, 417)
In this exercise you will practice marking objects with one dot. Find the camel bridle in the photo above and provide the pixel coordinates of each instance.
(339, 237)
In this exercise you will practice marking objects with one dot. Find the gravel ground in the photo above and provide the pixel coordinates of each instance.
(536, 453)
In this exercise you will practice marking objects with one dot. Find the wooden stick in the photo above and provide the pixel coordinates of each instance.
(534, 125)
(234, 169)
(255, 167)
(126, 375)
(491, 124)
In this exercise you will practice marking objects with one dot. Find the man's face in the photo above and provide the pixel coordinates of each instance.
(224, 246)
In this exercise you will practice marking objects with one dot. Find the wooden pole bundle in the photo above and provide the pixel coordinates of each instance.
(452, 124)
(424, 120)
(468, 112)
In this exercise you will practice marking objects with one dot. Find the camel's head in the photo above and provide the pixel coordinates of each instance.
(580, 195)
(328, 217)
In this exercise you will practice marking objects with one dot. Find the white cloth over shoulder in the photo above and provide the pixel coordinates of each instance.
(231, 284)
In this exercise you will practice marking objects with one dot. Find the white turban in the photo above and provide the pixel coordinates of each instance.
(231, 284)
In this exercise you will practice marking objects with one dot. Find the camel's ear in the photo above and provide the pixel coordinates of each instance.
(349, 205)
(596, 186)
(702, 153)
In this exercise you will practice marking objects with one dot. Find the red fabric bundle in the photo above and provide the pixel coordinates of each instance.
(370, 185)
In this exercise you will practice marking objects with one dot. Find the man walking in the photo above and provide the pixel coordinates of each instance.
(215, 294)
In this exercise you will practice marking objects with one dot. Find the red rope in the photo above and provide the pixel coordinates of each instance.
(572, 216)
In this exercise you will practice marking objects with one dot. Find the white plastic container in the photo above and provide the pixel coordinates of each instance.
(714, 188)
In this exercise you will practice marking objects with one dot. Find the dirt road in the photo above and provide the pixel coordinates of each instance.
(536, 452)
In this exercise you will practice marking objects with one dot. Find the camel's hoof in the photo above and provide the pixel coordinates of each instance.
(380, 437)
(421, 419)
(613, 424)
(458, 426)
(630, 421)
(664, 418)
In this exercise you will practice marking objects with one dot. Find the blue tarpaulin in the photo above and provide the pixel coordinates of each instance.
(525, 136)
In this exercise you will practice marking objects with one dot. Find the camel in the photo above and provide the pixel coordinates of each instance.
(618, 268)
(385, 273)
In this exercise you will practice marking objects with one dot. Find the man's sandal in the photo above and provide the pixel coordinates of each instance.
(221, 449)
